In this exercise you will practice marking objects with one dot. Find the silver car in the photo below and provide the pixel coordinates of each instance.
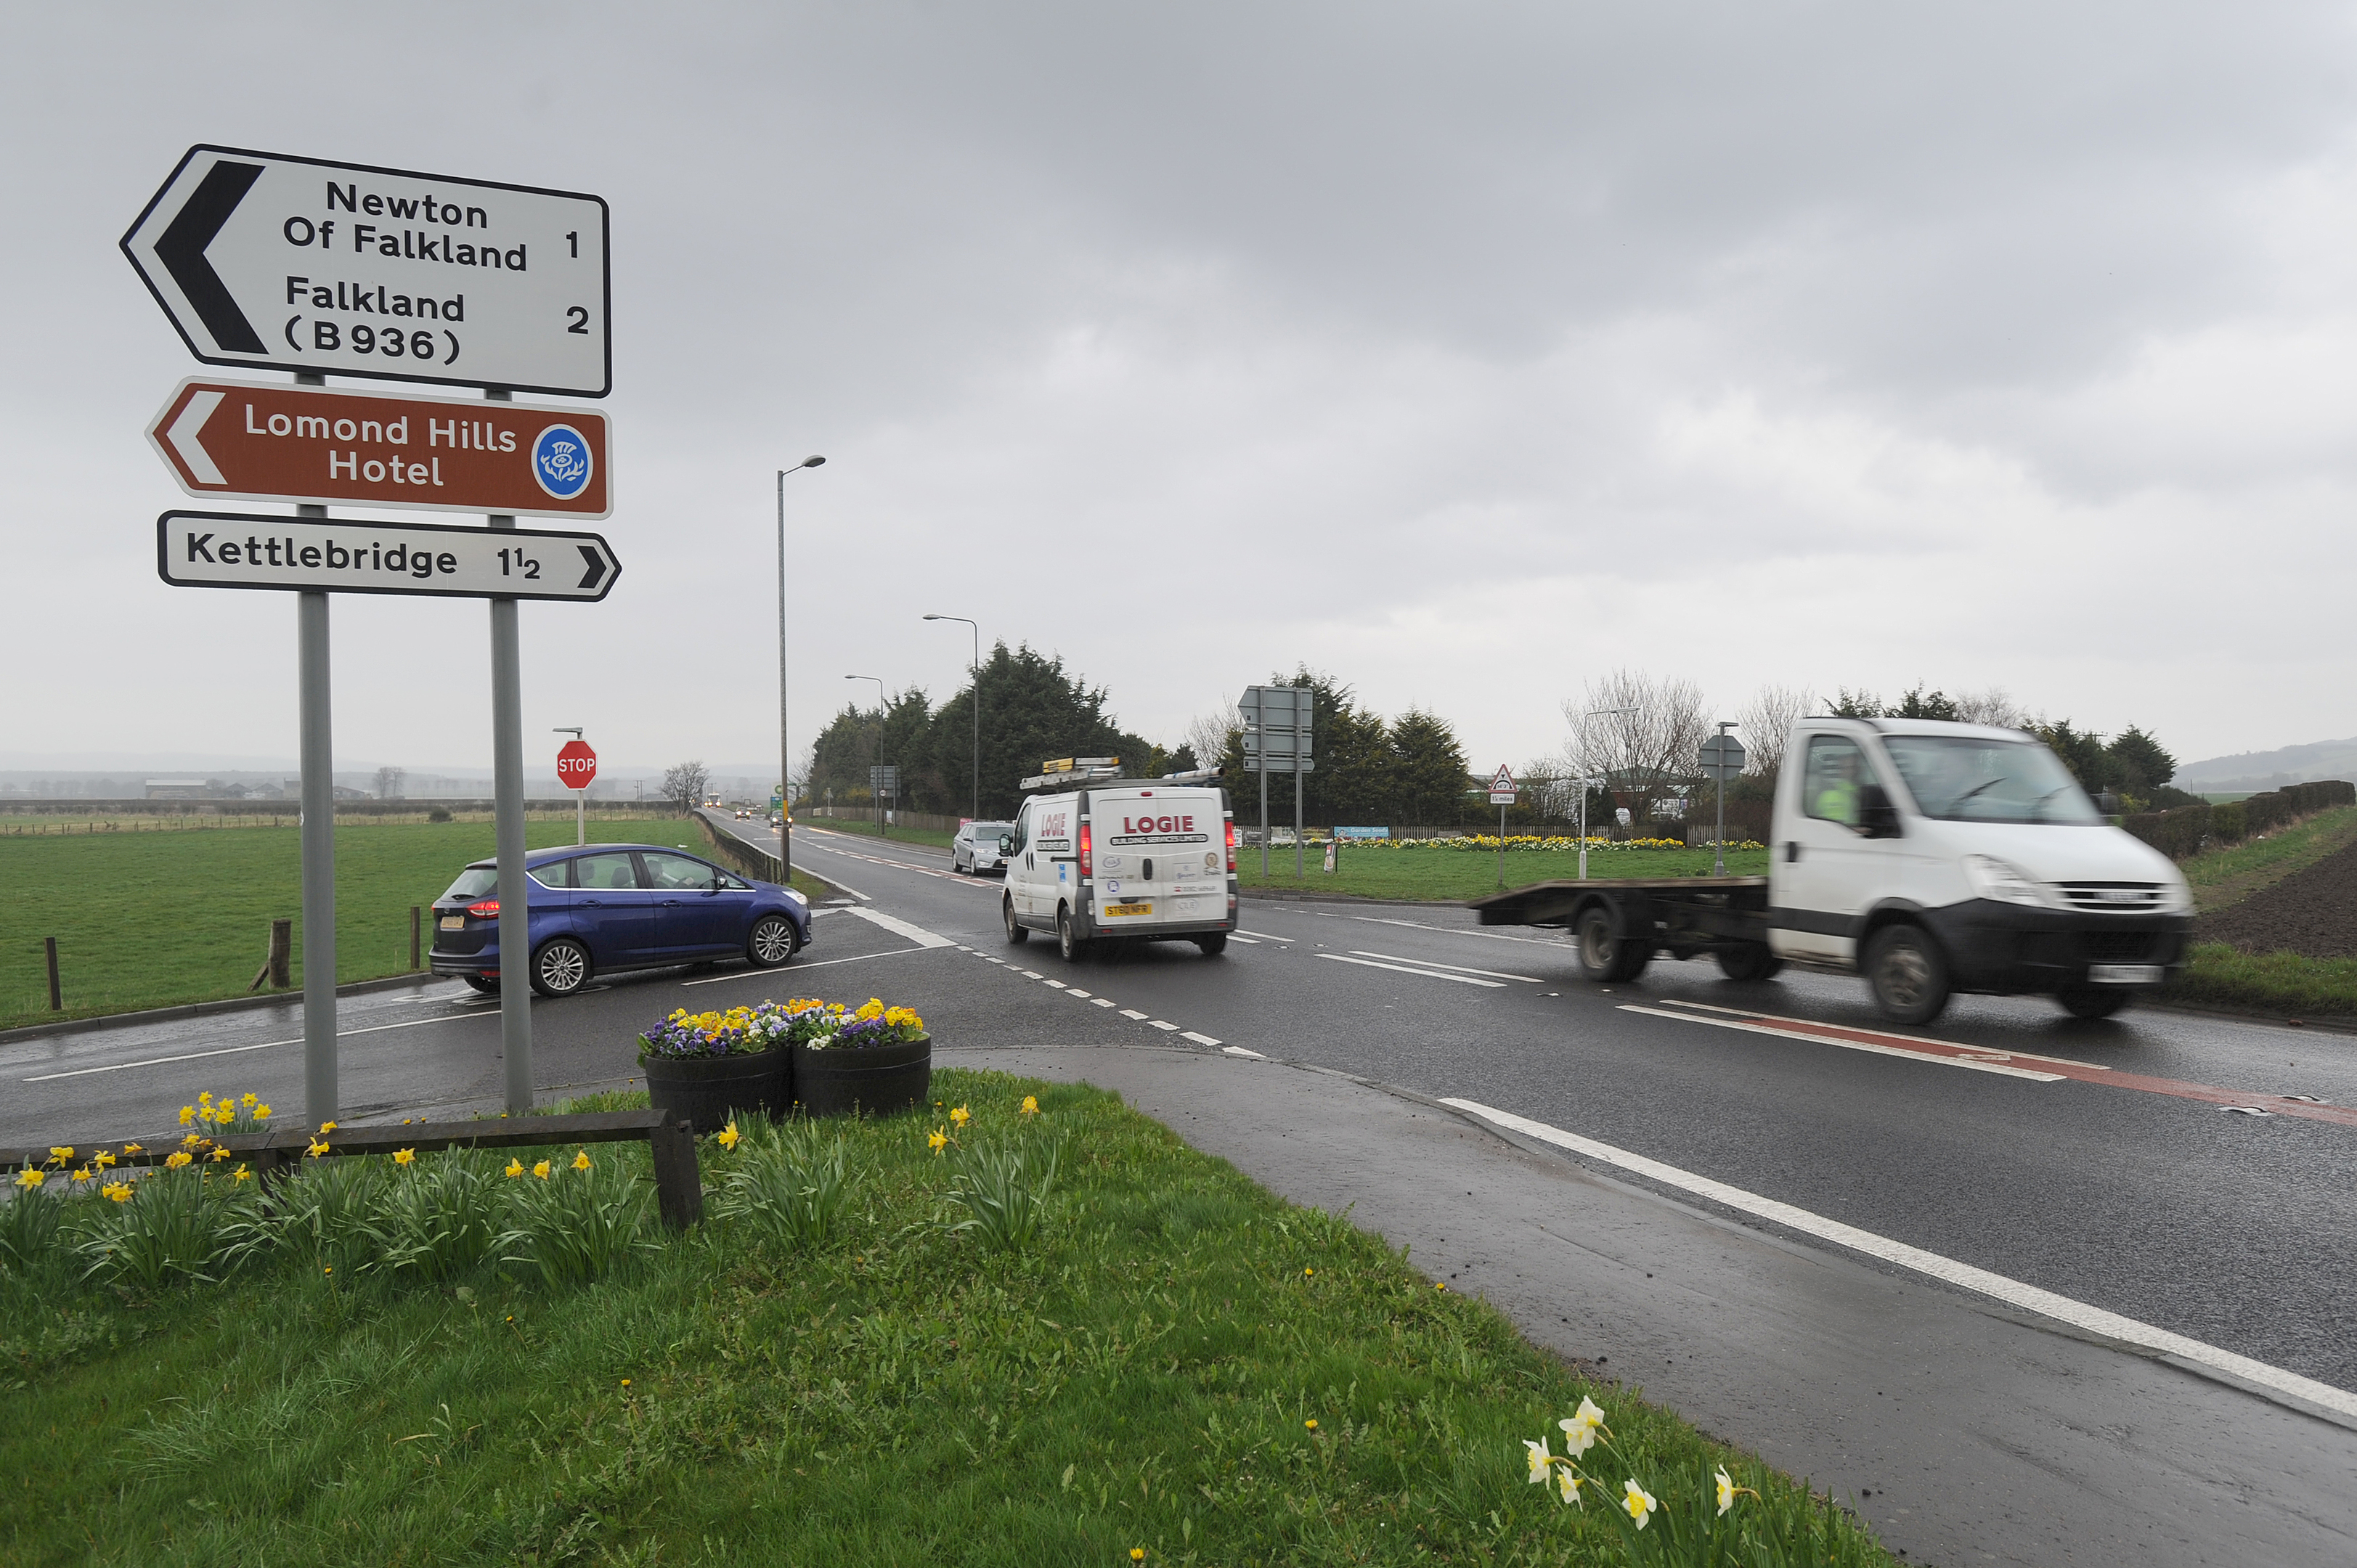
(974, 851)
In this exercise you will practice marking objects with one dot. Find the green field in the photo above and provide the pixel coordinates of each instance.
(154, 917)
(1457, 875)
(1181, 1368)
(2224, 876)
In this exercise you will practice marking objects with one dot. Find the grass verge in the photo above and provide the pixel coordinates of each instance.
(2280, 985)
(1456, 874)
(1181, 1367)
(2224, 876)
(932, 837)
(155, 918)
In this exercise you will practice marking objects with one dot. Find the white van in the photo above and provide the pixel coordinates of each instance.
(1122, 861)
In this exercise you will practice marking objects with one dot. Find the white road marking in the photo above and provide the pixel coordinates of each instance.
(1031, 974)
(1240, 1051)
(1460, 931)
(1964, 1276)
(1102, 1001)
(1267, 936)
(1758, 1028)
(1132, 1013)
(1403, 969)
(1076, 991)
(233, 1050)
(822, 964)
(1460, 968)
(1161, 1024)
(1248, 941)
(900, 928)
(1057, 984)
(1198, 1039)
(1889, 1033)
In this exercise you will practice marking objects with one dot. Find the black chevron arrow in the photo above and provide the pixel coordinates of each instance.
(182, 252)
(596, 573)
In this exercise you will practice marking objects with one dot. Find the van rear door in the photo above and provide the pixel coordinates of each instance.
(1160, 858)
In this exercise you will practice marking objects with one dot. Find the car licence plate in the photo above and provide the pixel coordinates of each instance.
(1129, 908)
(453, 922)
(2124, 973)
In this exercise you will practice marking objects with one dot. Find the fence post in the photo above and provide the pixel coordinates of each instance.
(679, 1183)
(414, 922)
(57, 998)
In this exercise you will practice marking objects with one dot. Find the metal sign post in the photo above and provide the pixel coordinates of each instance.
(1277, 739)
(576, 769)
(1502, 793)
(315, 701)
(1722, 762)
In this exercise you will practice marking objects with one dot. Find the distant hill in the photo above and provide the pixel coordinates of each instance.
(2271, 770)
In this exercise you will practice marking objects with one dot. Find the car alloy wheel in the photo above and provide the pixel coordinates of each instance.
(561, 968)
(772, 941)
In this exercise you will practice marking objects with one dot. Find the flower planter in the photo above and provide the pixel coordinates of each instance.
(876, 1081)
(703, 1091)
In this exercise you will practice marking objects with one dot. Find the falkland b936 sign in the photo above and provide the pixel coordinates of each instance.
(291, 263)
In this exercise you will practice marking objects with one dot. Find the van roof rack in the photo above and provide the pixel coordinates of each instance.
(1112, 774)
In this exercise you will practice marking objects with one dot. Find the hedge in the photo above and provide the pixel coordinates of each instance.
(2189, 829)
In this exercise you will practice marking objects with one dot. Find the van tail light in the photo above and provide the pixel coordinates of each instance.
(1232, 846)
(484, 909)
(1088, 860)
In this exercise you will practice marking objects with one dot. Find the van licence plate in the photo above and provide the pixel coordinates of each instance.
(2124, 973)
(453, 922)
(1129, 908)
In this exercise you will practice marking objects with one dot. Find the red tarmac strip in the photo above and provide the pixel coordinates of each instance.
(2061, 1067)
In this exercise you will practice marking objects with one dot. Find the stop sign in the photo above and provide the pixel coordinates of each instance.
(576, 765)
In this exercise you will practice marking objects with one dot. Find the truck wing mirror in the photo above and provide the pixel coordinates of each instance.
(1006, 843)
(1875, 814)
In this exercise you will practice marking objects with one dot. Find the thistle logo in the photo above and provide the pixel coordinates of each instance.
(560, 461)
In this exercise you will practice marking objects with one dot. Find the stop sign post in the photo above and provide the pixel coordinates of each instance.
(576, 769)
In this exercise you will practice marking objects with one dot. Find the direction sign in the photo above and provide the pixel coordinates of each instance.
(1722, 758)
(264, 441)
(337, 555)
(576, 765)
(293, 263)
(1502, 789)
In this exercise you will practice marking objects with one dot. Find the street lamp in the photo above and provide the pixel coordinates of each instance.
(785, 748)
(580, 816)
(977, 710)
(1584, 783)
(875, 760)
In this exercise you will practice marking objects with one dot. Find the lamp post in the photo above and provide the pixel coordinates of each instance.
(1593, 714)
(785, 748)
(876, 760)
(977, 710)
(580, 814)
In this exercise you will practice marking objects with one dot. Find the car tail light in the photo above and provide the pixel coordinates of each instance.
(484, 909)
(1088, 861)
(1232, 846)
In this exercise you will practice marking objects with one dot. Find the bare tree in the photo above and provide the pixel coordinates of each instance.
(1207, 733)
(1647, 732)
(1766, 719)
(684, 784)
(389, 781)
(1994, 707)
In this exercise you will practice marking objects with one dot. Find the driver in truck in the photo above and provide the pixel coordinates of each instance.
(1833, 781)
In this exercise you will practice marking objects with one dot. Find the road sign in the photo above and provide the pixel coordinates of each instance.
(1277, 708)
(576, 765)
(885, 779)
(1722, 758)
(266, 441)
(292, 263)
(338, 555)
(1504, 791)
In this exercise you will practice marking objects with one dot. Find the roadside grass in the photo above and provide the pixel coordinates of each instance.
(1182, 1367)
(1457, 875)
(931, 837)
(2224, 876)
(155, 918)
(2280, 985)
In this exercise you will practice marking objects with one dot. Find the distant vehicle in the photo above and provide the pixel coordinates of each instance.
(1123, 859)
(975, 850)
(1930, 857)
(610, 907)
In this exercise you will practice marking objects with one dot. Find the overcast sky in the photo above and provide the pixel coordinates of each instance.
(1460, 352)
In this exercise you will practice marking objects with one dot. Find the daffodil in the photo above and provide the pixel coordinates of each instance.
(134, 1149)
(60, 1153)
(191, 1141)
(326, 1128)
(515, 1167)
(83, 1174)
(262, 1113)
(1726, 1490)
(1540, 1460)
(937, 1141)
(1311, 1425)
(727, 1137)
(581, 1159)
(961, 1116)
(1638, 1503)
(1567, 1481)
(404, 1157)
(317, 1148)
(188, 1114)
(103, 1159)
(248, 1101)
(205, 1099)
(118, 1190)
(540, 1170)
(178, 1158)
(219, 1154)
(31, 1176)
(245, 1173)
(1030, 1105)
(1579, 1428)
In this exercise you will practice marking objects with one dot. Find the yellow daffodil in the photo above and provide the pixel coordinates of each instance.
(245, 1173)
(205, 1099)
(188, 1114)
(515, 1167)
(960, 1117)
(404, 1157)
(1311, 1425)
(103, 1159)
(219, 1154)
(31, 1176)
(727, 1137)
(1638, 1503)
(121, 1192)
(317, 1148)
(1440, 1284)
(326, 1128)
(60, 1153)
(83, 1174)
(134, 1149)
(937, 1141)
(1567, 1481)
(1137, 1554)
(581, 1159)
(248, 1101)
(178, 1158)
(1540, 1460)
(262, 1113)
(1579, 1428)
(1030, 1105)
(540, 1170)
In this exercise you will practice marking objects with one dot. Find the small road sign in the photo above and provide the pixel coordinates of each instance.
(885, 779)
(1722, 758)
(1504, 791)
(266, 441)
(576, 765)
(337, 555)
(292, 263)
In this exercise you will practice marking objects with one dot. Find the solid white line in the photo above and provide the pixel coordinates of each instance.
(1240, 937)
(1460, 931)
(901, 927)
(830, 881)
(1198, 1039)
(1240, 1051)
(2013, 1292)
(1267, 936)
(233, 1050)
(1758, 1028)
(822, 964)
(1403, 969)
(1886, 1034)
(1460, 968)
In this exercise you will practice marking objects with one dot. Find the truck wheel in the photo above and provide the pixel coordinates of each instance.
(1604, 957)
(1906, 974)
(1015, 935)
(1070, 946)
(1213, 945)
(2091, 1001)
(1752, 960)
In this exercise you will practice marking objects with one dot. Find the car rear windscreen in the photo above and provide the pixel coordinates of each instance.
(474, 882)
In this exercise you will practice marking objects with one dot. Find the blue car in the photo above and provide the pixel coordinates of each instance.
(606, 906)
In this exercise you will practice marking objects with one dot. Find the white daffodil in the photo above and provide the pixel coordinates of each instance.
(1725, 1491)
(1638, 1503)
(1540, 1460)
(1579, 1429)
(1567, 1482)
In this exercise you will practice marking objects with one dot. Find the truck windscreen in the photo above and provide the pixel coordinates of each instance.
(1965, 779)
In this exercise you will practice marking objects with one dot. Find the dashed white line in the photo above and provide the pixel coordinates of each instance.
(1198, 1039)
(1162, 1024)
(1265, 936)
(1248, 941)
(1032, 974)
(1132, 1013)
(1240, 1051)
(1403, 969)
(821, 963)
(1102, 1001)
(1057, 984)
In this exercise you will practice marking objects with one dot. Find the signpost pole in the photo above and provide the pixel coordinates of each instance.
(507, 790)
(1298, 851)
(316, 704)
(1502, 846)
